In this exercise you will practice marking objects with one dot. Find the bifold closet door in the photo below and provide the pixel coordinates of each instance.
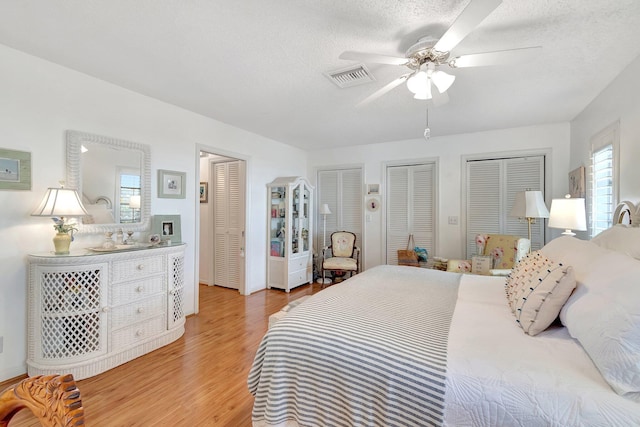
(342, 191)
(492, 185)
(228, 196)
(410, 207)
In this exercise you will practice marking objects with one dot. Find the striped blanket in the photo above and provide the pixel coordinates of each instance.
(368, 352)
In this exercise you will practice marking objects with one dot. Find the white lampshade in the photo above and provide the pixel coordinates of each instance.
(325, 210)
(60, 202)
(529, 204)
(134, 202)
(418, 82)
(569, 214)
(442, 80)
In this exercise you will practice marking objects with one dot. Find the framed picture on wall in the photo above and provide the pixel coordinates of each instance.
(167, 227)
(204, 192)
(577, 183)
(171, 184)
(15, 170)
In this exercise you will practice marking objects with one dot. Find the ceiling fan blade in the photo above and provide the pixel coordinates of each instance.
(500, 57)
(383, 90)
(372, 57)
(475, 12)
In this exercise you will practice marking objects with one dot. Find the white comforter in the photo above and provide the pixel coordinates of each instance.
(498, 376)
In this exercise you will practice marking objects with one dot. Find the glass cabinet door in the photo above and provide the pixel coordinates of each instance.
(295, 219)
(304, 218)
(277, 223)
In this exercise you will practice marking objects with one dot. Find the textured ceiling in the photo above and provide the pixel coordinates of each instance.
(259, 65)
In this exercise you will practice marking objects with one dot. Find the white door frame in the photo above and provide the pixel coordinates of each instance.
(247, 206)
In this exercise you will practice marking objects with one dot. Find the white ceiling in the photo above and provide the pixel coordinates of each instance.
(259, 65)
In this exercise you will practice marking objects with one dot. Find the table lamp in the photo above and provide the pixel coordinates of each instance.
(529, 205)
(59, 204)
(569, 214)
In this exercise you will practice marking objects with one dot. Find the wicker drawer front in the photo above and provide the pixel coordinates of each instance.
(138, 311)
(125, 293)
(132, 269)
(139, 332)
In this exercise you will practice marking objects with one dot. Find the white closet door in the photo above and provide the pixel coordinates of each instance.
(491, 188)
(410, 208)
(228, 223)
(342, 191)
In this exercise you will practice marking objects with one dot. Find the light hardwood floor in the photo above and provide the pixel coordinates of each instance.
(199, 380)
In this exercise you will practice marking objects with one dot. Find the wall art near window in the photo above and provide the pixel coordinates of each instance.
(171, 184)
(204, 192)
(577, 183)
(167, 227)
(15, 170)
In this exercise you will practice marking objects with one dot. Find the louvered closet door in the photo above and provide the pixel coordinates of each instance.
(410, 208)
(228, 222)
(342, 191)
(492, 185)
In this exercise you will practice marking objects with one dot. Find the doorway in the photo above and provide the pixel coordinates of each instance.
(222, 220)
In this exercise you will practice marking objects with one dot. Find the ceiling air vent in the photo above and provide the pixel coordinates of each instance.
(351, 76)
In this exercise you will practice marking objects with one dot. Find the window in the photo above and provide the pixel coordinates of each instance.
(603, 179)
(129, 185)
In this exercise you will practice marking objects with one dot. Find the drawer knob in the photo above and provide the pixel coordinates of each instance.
(139, 289)
(140, 267)
(139, 333)
(141, 310)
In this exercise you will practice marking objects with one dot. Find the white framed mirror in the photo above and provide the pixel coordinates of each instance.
(113, 177)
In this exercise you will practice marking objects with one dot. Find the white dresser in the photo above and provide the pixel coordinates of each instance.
(90, 312)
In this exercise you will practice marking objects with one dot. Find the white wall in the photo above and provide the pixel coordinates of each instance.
(41, 100)
(448, 151)
(619, 101)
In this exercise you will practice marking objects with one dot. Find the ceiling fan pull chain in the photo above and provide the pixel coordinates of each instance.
(427, 131)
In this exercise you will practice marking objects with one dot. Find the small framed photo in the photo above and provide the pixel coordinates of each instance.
(373, 189)
(204, 192)
(167, 227)
(171, 184)
(481, 264)
(15, 170)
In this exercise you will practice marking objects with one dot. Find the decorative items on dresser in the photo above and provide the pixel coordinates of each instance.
(289, 258)
(92, 311)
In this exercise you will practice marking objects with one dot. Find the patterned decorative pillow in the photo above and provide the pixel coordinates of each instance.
(459, 265)
(502, 249)
(537, 288)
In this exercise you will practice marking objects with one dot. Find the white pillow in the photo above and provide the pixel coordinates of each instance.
(603, 314)
(537, 288)
(620, 238)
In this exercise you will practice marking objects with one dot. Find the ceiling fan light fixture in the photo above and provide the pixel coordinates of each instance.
(418, 82)
(442, 80)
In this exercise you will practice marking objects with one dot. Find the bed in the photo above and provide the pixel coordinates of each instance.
(405, 346)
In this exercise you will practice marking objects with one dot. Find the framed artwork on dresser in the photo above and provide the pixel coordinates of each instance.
(167, 227)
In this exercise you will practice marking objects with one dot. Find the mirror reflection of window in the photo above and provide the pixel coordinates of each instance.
(129, 197)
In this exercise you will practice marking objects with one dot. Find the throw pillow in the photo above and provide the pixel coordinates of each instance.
(537, 288)
(459, 265)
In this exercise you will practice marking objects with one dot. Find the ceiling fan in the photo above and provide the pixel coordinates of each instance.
(427, 55)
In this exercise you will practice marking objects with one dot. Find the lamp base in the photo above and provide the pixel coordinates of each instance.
(324, 281)
(568, 233)
(62, 241)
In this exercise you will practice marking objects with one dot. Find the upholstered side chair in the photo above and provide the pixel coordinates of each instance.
(342, 256)
(505, 250)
